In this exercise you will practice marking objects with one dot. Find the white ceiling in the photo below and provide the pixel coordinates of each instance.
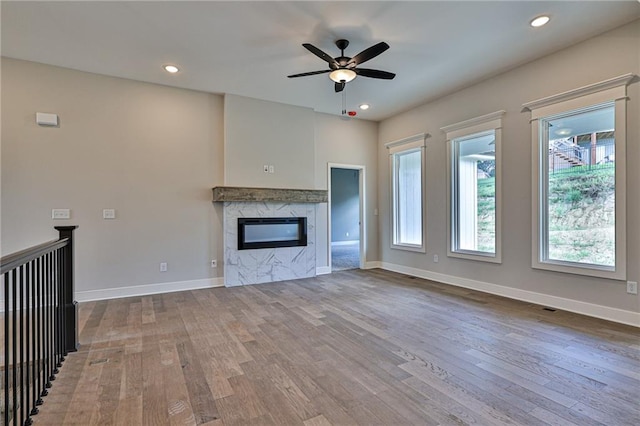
(248, 48)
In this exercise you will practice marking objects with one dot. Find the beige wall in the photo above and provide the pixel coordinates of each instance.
(606, 56)
(151, 152)
(259, 133)
(351, 142)
(300, 144)
(1, 249)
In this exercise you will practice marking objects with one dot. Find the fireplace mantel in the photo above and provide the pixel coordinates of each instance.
(247, 194)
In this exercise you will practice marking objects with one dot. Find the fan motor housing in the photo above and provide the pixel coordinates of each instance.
(342, 44)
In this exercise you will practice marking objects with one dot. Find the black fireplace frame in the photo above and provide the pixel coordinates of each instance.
(302, 232)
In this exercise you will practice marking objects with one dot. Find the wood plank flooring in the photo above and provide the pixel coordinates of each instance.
(350, 348)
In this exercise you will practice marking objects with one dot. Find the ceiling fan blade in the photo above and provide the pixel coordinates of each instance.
(374, 73)
(340, 86)
(320, 54)
(304, 74)
(369, 53)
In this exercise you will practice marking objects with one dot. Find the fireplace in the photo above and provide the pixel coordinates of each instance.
(271, 232)
(279, 224)
(265, 265)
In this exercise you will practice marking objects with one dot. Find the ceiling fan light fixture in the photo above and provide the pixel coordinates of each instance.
(342, 74)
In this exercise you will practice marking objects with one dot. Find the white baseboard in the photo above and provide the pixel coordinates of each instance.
(148, 289)
(584, 308)
(373, 264)
(323, 270)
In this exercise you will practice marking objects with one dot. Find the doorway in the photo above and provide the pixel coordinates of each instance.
(346, 235)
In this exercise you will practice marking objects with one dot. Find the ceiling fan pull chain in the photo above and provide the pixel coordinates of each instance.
(344, 100)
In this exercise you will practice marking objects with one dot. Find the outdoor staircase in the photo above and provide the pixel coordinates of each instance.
(574, 161)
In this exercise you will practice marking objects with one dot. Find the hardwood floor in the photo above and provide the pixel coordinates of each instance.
(356, 347)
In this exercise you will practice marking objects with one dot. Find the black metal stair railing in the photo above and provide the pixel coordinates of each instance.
(39, 323)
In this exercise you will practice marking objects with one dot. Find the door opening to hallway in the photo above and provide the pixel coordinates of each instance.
(345, 218)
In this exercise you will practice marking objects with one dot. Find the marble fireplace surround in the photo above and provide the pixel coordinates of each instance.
(244, 267)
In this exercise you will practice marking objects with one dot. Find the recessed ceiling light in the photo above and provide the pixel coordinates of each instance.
(540, 21)
(364, 106)
(171, 68)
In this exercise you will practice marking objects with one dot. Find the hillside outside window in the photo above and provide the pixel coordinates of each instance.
(474, 176)
(579, 165)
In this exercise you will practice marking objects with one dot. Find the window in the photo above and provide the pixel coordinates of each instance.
(407, 193)
(474, 172)
(579, 180)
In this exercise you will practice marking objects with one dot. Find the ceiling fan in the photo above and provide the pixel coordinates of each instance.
(343, 69)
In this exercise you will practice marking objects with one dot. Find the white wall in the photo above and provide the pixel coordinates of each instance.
(151, 152)
(606, 56)
(259, 133)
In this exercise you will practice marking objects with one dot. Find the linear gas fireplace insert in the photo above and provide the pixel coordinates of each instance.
(271, 232)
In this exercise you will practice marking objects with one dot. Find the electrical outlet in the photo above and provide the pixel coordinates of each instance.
(265, 168)
(632, 287)
(163, 267)
(435, 258)
(272, 169)
(61, 214)
(214, 263)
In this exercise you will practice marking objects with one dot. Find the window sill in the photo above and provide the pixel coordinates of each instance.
(406, 247)
(581, 269)
(476, 255)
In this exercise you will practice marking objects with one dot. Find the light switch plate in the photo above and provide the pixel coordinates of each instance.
(60, 214)
(46, 119)
(108, 213)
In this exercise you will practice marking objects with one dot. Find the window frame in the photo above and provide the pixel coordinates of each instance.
(612, 91)
(459, 132)
(406, 145)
